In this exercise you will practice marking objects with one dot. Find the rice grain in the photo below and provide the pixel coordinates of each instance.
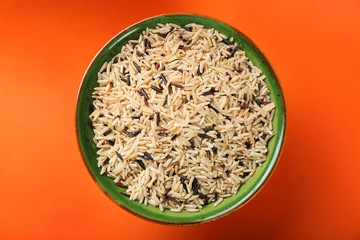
(181, 117)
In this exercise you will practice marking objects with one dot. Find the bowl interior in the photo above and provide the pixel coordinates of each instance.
(88, 148)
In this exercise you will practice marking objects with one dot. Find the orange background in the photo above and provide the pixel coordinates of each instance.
(46, 191)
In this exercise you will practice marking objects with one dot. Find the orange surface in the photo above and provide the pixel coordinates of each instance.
(46, 192)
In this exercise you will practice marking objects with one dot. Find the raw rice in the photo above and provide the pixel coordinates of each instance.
(181, 117)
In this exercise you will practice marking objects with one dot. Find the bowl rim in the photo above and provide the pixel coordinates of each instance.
(276, 156)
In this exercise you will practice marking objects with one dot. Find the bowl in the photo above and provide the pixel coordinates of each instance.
(88, 148)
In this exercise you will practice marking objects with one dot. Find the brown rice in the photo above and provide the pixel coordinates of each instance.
(181, 117)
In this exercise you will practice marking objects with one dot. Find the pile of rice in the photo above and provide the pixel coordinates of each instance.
(181, 117)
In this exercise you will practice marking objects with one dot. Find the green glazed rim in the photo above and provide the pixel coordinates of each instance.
(208, 213)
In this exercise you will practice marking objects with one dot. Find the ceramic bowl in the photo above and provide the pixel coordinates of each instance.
(209, 212)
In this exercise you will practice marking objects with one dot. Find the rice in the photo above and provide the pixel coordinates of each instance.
(181, 117)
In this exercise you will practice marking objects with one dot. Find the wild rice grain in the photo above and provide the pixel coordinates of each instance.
(119, 156)
(214, 149)
(141, 164)
(106, 161)
(227, 117)
(144, 93)
(156, 89)
(245, 174)
(195, 186)
(139, 54)
(107, 132)
(227, 42)
(211, 92)
(245, 106)
(163, 78)
(137, 117)
(179, 70)
(174, 200)
(202, 135)
(234, 50)
(186, 28)
(177, 85)
(134, 134)
(136, 66)
(148, 156)
(147, 43)
(202, 196)
(146, 101)
(161, 35)
(157, 119)
(213, 108)
(248, 145)
(166, 100)
(208, 129)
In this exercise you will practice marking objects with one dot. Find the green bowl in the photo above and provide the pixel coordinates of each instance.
(209, 212)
